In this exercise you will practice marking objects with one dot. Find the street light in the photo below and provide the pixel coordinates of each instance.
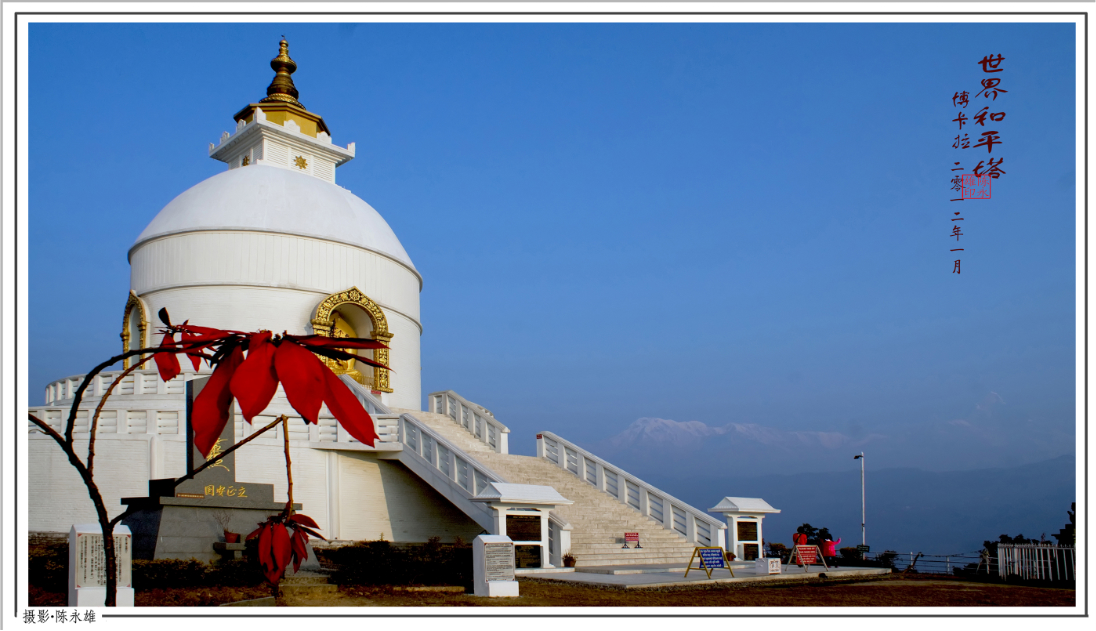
(863, 505)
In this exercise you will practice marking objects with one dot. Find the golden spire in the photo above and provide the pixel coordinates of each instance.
(281, 88)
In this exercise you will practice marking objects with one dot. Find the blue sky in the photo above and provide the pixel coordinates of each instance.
(722, 223)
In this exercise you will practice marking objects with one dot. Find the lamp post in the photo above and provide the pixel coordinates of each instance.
(863, 505)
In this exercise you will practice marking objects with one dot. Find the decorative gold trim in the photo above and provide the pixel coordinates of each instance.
(323, 324)
(142, 325)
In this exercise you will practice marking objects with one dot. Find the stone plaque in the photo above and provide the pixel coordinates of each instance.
(523, 528)
(747, 531)
(91, 560)
(498, 561)
(750, 551)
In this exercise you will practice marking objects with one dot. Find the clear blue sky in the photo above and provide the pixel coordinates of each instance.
(714, 223)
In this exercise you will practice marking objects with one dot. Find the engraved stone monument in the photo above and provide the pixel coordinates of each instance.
(185, 521)
(87, 576)
(493, 566)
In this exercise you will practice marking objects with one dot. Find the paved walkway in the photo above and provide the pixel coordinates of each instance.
(670, 575)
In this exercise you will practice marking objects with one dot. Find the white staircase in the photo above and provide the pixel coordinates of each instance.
(597, 519)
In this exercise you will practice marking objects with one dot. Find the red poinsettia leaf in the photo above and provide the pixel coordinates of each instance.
(346, 408)
(164, 317)
(204, 331)
(335, 353)
(264, 546)
(211, 406)
(311, 532)
(301, 374)
(167, 363)
(304, 519)
(255, 382)
(280, 547)
(300, 548)
(194, 355)
(322, 341)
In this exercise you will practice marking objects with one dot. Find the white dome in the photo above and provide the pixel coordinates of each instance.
(276, 200)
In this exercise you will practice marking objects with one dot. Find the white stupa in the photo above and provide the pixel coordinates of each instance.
(274, 243)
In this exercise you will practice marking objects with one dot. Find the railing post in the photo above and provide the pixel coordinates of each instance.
(503, 439)
(599, 476)
(667, 515)
(690, 527)
(542, 453)
(644, 502)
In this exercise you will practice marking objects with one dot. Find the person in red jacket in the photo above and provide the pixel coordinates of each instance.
(829, 550)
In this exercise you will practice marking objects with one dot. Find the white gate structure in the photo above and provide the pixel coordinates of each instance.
(1036, 562)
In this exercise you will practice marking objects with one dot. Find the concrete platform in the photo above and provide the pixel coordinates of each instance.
(671, 575)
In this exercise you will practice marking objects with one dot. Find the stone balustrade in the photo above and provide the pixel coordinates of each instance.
(694, 524)
(475, 419)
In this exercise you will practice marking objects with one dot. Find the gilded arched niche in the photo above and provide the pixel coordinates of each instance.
(351, 313)
(134, 326)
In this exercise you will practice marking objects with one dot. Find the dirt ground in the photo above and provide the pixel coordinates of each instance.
(884, 592)
(894, 591)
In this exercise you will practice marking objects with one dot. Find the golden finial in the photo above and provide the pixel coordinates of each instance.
(281, 88)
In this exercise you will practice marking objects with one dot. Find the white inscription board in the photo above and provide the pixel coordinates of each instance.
(498, 561)
(91, 560)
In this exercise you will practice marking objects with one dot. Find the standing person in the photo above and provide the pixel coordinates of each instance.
(829, 550)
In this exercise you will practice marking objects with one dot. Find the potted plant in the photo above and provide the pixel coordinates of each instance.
(569, 560)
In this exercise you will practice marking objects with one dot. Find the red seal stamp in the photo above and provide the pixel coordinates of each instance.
(976, 186)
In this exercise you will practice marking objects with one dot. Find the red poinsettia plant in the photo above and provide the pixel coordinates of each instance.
(252, 381)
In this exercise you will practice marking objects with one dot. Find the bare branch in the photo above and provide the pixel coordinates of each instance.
(95, 419)
(220, 456)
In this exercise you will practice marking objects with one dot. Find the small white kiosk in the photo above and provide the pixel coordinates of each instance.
(521, 513)
(744, 516)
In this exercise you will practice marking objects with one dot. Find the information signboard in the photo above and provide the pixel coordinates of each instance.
(630, 537)
(807, 555)
(498, 561)
(710, 558)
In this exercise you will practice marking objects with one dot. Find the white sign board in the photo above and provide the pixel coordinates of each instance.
(493, 566)
(87, 566)
(766, 566)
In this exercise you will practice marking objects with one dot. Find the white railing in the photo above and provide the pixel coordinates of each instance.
(168, 419)
(137, 382)
(692, 523)
(453, 463)
(1036, 562)
(475, 419)
(154, 421)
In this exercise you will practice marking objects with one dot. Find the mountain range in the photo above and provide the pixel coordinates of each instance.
(908, 509)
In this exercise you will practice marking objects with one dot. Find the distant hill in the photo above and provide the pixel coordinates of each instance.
(907, 509)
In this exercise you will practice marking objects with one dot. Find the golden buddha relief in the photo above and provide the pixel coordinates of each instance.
(341, 327)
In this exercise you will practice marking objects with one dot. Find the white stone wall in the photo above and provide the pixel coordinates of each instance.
(381, 497)
(375, 497)
(252, 280)
(57, 497)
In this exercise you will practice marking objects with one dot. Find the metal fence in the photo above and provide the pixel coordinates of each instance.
(1036, 562)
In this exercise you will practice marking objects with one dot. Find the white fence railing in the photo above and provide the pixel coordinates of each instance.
(694, 524)
(451, 461)
(167, 415)
(137, 382)
(1036, 562)
(475, 419)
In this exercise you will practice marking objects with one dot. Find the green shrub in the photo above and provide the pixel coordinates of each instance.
(382, 563)
(168, 573)
(48, 567)
(849, 553)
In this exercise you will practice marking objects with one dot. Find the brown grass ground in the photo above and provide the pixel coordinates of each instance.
(886, 592)
(892, 591)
